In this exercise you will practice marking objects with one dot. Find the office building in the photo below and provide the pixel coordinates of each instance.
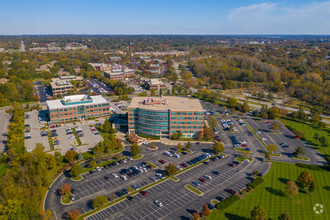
(163, 116)
(63, 84)
(155, 84)
(77, 107)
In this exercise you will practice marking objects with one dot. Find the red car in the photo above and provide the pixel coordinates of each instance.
(244, 145)
(144, 193)
(149, 167)
(231, 191)
(162, 161)
(267, 122)
(202, 180)
(184, 165)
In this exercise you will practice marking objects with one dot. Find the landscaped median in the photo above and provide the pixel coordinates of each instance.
(194, 190)
(138, 156)
(241, 158)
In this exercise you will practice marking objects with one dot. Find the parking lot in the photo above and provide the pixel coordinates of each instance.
(4, 118)
(177, 201)
(34, 123)
(98, 87)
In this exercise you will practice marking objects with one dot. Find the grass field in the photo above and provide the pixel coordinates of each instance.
(270, 195)
(309, 131)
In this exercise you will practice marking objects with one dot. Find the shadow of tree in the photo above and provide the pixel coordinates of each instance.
(283, 180)
(235, 217)
(327, 188)
(276, 192)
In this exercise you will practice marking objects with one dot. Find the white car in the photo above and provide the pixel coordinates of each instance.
(160, 176)
(208, 177)
(71, 137)
(246, 160)
(264, 139)
(123, 177)
(178, 168)
(114, 175)
(158, 203)
(98, 169)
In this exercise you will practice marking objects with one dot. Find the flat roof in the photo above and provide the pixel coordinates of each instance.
(56, 104)
(173, 103)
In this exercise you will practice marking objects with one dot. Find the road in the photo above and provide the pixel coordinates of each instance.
(22, 47)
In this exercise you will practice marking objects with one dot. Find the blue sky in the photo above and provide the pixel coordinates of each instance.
(164, 17)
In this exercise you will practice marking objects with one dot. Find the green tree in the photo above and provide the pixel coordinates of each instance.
(267, 155)
(76, 170)
(292, 188)
(170, 169)
(258, 213)
(316, 136)
(232, 102)
(324, 142)
(92, 164)
(106, 126)
(152, 92)
(188, 145)
(305, 179)
(272, 147)
(213, 122)
(135, 149)
(179, 146)
(218, 147)
(70, 156)
(99, 201)
(80, 157)
(275, 126)
(300, 151)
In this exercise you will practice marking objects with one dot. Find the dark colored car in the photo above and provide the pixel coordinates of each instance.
(130, 198)
(231, 191)
(211, 207)
(202, 180)
(119, 194)
(106, 178)
(215, 172)
(184, 165)
(219, 198)
(162, 161)
(206, 163)
(91, 172)
(144, 193)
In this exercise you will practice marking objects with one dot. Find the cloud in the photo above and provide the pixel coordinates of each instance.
(273, 18)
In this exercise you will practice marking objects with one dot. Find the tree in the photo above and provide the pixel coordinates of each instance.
(267, 155)
(188, 145)
(316, 136)
(177, 135)
(106, 126)
(92, 164)
(272, 147)
(65, 189)
(74, 214)
(133, 138)
(170, 169)
(300, 151)
(324, 142)
(292, 188)
(258, 213)
(312, 187)
(179, 146)
(196, 216)
(218, 147)
(152, 92)
(245, 107)
(70, 155)
(135, 149)
(298, 133)
(275, 126)
(76, 170)
(99, 201)
(284, 216)
(232, 102)
(80, 157)
(305, 179)
(206, 210)
(213, 122)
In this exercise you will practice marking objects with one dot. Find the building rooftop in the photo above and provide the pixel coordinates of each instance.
(74, 100)
(166, 102)
(155, 82)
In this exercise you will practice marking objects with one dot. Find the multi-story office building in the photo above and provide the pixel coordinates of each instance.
(120, 74)
(63, 84)
(77, 107)
(164, 116)
(155, 84)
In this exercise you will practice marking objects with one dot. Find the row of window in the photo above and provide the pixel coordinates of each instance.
(74, 113)
(187, 113)
(173, 131)
(189, 118)
(188, 127)
(186, 122)
(75, 118)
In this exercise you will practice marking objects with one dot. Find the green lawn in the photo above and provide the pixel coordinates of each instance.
(309, 130)
(270, 195)
(193, 189)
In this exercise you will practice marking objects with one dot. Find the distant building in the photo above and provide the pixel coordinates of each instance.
(114, 59)
(155, 84)
(119, 74)
(63, 84)
(166, 115)
(77, 107)
(3, 81)
(101, 66)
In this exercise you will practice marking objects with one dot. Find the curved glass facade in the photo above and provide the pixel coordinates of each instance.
(151, 122)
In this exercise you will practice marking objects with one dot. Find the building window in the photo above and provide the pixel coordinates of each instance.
(178, 122)
(172, 117)
(87, 106)
(131, 110)
(189, 127)
(189, 122)
(99, 105)
(199, 127)
(189, 113)
(131, 119)
(183, 127)
(183, 118)
(178, 113)
(194, 127)
(195, 113)
(184, 113)
(194, 122)
(200, 113)
(200, 118)
(172, 113)
(183, 122)
(178, 118)
(172, 122)
(178, 127)
(200, 122)
(130, 114)
(61, 110)
(172, 126)
(194, 118)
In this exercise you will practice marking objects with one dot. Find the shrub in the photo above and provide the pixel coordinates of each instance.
(255, 183)
(309, 166)
(228, 202)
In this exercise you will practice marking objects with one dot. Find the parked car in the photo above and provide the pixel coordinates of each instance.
(208, 177)
(98, 169)
(144, 193)
(114, 175)
(123, 177)
(135, 187)
(162, 161)
(106, 178)
(202, 180)
(196, 183)
(231, 191)
(158, 203)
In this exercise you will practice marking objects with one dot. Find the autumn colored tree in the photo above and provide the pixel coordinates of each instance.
(74, 214)
(179, 146)
(206, 210)
(92, 164)
(196, 216)
(65, 189)
(275, 126)
(170, 169)
(70, 156)
(292, 188)
(272, 147)
(258, 213)
(218, 147)
(284, 216)
(305, 179)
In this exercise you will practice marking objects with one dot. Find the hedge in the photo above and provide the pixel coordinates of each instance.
(308, 166)
(228, 202)
(255, 183)
(148, 136)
